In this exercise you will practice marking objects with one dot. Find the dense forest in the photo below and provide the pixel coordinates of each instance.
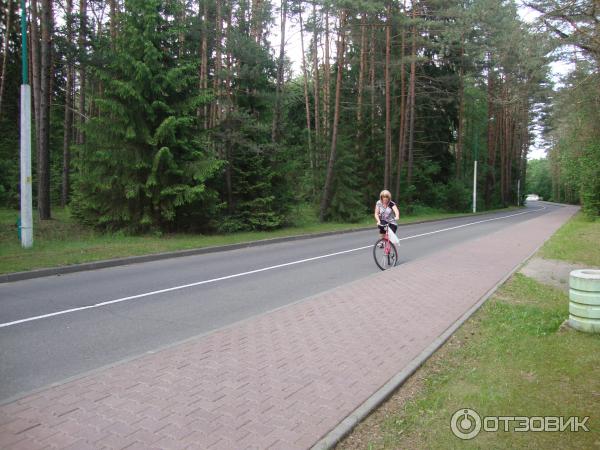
(186, 115)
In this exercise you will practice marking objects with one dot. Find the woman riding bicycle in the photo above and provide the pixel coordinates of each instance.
(386, 212)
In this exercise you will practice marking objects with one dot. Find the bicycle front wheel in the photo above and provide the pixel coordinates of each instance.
(385, 254)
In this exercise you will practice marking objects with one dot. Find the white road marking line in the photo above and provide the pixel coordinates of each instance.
(471, 223)
(228, 277)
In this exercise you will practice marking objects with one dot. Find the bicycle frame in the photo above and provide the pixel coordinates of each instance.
(387, 245)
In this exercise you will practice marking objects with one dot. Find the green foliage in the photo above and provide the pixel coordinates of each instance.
(145, 163)
(452, 195)
(539, 179)
(9, 118)
(258, 198)
(9, 162)
(458, 197)
(590, 180)
(575, 157)
(347, 205)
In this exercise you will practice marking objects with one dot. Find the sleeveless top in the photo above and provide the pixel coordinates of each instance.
(386, 214)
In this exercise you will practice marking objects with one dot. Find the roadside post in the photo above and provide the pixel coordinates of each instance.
(26, 224)
(584, 300)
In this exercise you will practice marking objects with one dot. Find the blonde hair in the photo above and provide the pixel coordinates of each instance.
(385, 193)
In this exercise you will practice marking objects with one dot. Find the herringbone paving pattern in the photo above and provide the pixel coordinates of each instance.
(280, 380)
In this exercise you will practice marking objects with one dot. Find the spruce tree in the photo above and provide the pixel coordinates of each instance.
(144, 162)
(260, 197)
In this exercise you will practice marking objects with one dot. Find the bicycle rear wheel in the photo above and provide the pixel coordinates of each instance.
(385, 254)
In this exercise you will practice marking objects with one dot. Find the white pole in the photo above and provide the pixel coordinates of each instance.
(475, 186)
(26, 202)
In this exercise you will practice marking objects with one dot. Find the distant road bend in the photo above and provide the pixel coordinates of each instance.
(57, 327)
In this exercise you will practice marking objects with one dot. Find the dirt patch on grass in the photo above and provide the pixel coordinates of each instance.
(551, 271)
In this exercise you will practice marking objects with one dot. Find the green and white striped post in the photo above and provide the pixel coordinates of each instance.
(26, 196)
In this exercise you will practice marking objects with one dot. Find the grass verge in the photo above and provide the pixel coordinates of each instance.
(577, 241)
(61, 241)
(511, 358)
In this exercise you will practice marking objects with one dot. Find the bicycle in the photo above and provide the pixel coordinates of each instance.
(385, 252)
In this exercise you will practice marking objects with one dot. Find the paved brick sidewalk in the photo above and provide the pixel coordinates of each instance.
(281, 380)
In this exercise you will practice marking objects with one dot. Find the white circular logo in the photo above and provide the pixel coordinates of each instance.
(465, 424)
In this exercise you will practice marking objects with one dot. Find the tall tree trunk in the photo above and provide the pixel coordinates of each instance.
(68, 119)
(372, 78)
(509, 154)
(461, 112)
(9, 13)
(499, 137)
(512, 139)
(402, 130)
(524, 146)
(113, 23)
(96, 84)
(256, 25)
(82, 63)
(328, 189)
(491, 138)
(181, 37)
(411, 125)
(361, 85)
(43, 168)
(215, 115)
(502, 147)
(388, 103)
(508, 124)
(317, 88)
(204, 59)
(229, 59)
(307, 105)
(514, 145)
(228, 85)
(326, 79)
(35, 69)
(275, 132)
(503, 133)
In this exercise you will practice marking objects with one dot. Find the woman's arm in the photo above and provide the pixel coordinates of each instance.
(396, 212)
(376, 214)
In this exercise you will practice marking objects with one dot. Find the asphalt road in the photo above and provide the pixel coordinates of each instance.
(57, 327)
